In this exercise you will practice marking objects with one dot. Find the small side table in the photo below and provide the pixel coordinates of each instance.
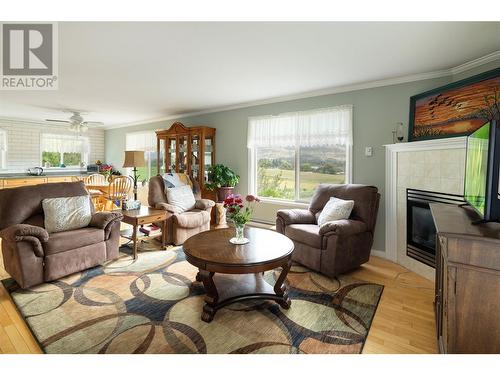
(142, 216)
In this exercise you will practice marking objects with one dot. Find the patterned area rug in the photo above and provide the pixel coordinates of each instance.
(153, 305)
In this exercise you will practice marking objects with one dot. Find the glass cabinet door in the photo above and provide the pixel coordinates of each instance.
(195, 156)
(171, 160)
(208, 157)
(161, 157)
(183, 153)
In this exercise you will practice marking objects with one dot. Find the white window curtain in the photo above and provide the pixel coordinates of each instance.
(141, 141)
(3, 149)
(321, 127)
(64, 143)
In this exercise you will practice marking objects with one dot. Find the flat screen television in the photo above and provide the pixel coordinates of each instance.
(482, 171)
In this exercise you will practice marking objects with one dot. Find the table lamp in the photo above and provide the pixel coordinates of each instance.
(134, 159)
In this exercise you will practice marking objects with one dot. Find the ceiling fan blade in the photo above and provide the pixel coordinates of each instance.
(62, 121)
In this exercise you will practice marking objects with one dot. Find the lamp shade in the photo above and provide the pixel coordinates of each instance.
(134, 159)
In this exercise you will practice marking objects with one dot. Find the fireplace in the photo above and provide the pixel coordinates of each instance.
(420, 229)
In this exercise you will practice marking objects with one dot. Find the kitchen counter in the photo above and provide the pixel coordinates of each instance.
(4, 176)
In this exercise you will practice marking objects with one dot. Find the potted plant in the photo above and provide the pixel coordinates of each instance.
(223, 179)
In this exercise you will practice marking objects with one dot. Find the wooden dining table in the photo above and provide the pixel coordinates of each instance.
(102, 188)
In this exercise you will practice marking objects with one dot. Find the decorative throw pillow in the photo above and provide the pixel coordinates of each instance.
(181, 197)
(335, 209)
(172, 180)
(68, 213)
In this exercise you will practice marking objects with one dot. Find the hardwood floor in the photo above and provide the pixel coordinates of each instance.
(403, 323)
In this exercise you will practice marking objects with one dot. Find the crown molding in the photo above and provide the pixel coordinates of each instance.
(475, 63)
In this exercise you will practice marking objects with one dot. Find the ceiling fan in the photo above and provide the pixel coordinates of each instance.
(76, 122)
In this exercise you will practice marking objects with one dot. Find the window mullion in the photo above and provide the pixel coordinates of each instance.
(255, 167)
(297, 170)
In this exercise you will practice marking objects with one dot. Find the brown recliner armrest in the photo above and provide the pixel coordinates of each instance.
(168, 207)
(345, 227)
(204, 204)
(103, 219)
(296, 216)
(29, 233)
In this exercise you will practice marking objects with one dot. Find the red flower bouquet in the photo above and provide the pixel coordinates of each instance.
(237, 211)
(239, 214)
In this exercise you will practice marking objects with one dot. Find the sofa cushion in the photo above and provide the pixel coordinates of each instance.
(192, 219)
(71, 261)
(304, 233)
(66, 213)
(73, 239)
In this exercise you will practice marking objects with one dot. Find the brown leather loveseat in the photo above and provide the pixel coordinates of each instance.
(32, 256)
(181, 225)
(337, 246)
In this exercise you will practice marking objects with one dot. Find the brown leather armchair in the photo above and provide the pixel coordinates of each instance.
(32, 256)
(181, 225)
(337, 246)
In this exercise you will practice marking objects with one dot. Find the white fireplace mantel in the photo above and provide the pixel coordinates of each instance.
(391, 182)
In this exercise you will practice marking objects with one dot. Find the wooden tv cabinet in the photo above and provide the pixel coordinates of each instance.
(467, 302)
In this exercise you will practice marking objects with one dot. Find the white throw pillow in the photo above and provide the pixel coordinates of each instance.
(335, 209)
(68, 213)
(172, 180)
(181, 197)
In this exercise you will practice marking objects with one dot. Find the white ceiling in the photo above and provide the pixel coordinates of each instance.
(129, 72)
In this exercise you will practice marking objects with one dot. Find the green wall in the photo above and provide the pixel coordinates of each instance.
(375, 114)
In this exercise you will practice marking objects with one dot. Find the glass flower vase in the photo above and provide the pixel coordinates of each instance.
(240, 231)
(239, 237)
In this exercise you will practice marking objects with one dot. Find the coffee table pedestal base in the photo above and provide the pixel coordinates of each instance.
(225, 289)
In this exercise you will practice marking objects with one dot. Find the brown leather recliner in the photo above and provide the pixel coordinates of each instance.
(337, 246)
(181, 225)
(32, 256)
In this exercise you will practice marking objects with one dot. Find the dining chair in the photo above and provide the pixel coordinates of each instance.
(119, 188)
(95, 179)
(96, 195)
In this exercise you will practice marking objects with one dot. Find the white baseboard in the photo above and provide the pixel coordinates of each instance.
(260, 224)
(379, 253)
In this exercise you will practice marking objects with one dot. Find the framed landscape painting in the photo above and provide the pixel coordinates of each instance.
(456, 109)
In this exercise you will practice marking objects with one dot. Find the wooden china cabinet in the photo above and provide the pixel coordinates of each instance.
(189, 150)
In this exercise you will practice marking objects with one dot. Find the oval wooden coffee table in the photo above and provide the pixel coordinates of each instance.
(233, 273)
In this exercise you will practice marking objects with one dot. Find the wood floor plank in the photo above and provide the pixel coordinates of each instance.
(18, 322)
(6, 345)
(17, 340)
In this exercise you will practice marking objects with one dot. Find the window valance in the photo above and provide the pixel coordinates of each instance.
(64, 143)
(141, 141)
(321, 127)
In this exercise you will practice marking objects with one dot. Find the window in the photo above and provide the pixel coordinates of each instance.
(292, 153)
(3, 149)
(144, 141)
(70, 150)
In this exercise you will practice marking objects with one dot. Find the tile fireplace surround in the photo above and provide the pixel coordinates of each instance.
(435, 165)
